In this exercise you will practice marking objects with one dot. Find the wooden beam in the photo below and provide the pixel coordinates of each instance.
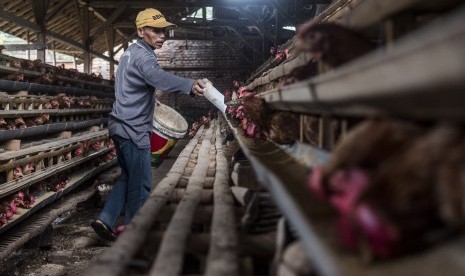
(76, 44)
(110, 39)
(100, 16)
(182, 3)
(207, 68)
(239, 35)
(51, 35)
(25, 47)
(176, 4)
(125, 45)
(213, 38)
(207, 24)
(4, 15)
(282, 11)
(28, 40)
(57, 9)
(259, 27)
(107, 23)
(39, 7)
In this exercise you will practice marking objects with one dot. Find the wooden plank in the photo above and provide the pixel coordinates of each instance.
(207, 185)
(49, 146)
(206, 196)
(13, 144)
(40, 156)
(169, 260)
(222, 255)
(257, 245)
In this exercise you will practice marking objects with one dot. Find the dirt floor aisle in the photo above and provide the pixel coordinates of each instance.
(68, 246)
(65, 248)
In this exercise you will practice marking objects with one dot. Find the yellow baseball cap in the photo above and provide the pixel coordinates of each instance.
(152, 18)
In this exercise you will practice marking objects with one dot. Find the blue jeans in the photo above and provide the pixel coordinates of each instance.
(133, 187)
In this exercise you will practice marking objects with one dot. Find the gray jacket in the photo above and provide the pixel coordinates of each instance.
(137, 77)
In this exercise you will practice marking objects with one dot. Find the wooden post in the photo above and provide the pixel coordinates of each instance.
(39, 9)
(278, 29)
(324, 129)
(110, 35)
(54, 55)
(13, 144)
(87, 62)
(41, 40)
(28, 39)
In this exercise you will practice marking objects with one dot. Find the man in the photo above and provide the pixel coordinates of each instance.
(130, 121)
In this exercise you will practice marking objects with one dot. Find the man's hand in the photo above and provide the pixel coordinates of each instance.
(198, 87)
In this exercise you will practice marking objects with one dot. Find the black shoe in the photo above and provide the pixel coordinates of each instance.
(102, 230)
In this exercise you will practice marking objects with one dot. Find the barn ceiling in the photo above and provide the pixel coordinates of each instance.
(78, 26)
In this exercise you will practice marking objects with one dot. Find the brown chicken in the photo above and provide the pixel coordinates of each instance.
(331, 43)
(450, 189)
(15, 76)
(280, 126)
(47, 105)
(284, 127)
(42, 119)
(43, 79)
(60, 102)
(368, 145)
(30, 122)
(15, 123)
(28, 168)
(17, 172)
(8, 208)
(382, 180)
(26, 64)
(84, 102)
(10, 124)
(14, 64)
(23, 200)
(399, 206)
(258, 111)
(38, 65)
(20, 123)
(3, 123)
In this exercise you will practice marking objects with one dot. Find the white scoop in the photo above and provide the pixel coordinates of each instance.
(213, 95)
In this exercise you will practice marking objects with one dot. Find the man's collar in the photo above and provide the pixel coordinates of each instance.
(145, 45)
